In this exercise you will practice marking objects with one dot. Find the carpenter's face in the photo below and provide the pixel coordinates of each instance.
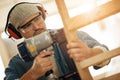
(31, 26)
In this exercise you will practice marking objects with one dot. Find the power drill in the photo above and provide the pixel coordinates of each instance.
(31, 47)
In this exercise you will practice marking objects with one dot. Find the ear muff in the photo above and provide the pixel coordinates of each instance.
(10, 29)
(13, 32)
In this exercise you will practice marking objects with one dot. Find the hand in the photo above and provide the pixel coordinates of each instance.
(79, 50)
(42, 63)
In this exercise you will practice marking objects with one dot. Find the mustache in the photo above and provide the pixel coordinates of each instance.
(38, 31)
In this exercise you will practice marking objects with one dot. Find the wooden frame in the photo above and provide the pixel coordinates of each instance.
(71, 25)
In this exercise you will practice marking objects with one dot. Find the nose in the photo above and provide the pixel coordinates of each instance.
(35, 25)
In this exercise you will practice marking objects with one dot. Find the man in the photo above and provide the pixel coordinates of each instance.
(28, 20)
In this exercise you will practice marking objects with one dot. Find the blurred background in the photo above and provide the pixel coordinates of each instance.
(106, 31)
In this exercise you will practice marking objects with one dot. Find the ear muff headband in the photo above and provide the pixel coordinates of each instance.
(41, 8)
(10, 29)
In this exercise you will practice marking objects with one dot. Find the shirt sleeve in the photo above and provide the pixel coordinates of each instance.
(90, 41)
(10, 72)
(105, 62)
(16, 68)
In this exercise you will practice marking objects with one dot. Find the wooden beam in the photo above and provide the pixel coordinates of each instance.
(94, 15)
(64, 16)
(84, 73)
(112, 77)
(63, 11)
(100, 58)
(72, 24)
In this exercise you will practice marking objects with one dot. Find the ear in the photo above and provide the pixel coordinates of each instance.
(13, 32)
(42, 9)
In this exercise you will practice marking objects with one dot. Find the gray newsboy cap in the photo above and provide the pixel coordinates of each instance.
(21, 12)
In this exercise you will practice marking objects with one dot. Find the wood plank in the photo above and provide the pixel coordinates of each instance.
(100, 58)
(64, 16)
(95, 15)
(112, 77)
(71, 26)
(84, 73)
(63, 11)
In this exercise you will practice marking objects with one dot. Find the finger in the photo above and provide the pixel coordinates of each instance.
(75, 44)
(48, 68)
(77, 57)
(46, 53)
(74, 50)
(47, 65)
(43, 62)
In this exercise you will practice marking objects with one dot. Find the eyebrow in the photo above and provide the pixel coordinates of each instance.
(28, 22)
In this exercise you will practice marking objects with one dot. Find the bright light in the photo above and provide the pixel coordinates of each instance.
(81, 9)
(100, 2)
(4, 35)
(89, 5)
